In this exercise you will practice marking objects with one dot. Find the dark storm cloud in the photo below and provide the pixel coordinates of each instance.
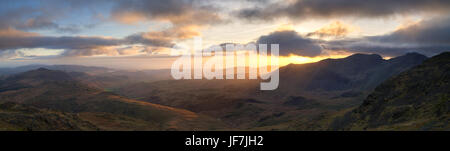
(306, 9)
(432, 31)
(291, 42)
(428, 37)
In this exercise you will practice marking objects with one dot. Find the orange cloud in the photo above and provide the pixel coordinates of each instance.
(186, 18)
(335, 29)
(11, 32)
(285, 27)
(181, 32)
(408, 22)
(129, 17)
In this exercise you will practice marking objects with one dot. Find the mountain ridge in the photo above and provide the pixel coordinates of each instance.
(240, 102)
(417, 99)
(345, 73)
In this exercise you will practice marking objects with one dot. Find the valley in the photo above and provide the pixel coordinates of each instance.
(331, 94)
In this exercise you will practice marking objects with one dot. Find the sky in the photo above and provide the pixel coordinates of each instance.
(138, 34)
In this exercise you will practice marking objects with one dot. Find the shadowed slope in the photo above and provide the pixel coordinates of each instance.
(15, 116)
(418, 99)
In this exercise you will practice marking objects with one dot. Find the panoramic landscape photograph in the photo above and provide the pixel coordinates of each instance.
(234, 65)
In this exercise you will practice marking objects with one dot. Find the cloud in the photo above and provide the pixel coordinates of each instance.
(11, 39)
(291, 42)
(165, 37)
(11, 32)
(107, 50)
(177, 12)
(28, 16)
(148, 39)
(16, 42)
(429, 37)
(306, 9)
(336, 29)
(187, 16)
(44, 22)
(11, 54)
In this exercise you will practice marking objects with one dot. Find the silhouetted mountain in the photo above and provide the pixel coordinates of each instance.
(99, 77)
(358, 72)
(418, 99)
(66, 68)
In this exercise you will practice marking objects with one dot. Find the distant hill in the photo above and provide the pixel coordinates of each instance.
(66, 68)
(59, 91)
(100, 77)
(418, 99)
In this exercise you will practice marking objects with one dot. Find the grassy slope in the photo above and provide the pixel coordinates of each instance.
(418, 99)
(42, 89)
(15, 116)
(319, 88)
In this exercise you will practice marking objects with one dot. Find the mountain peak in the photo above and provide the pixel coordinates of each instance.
(410, 57)
(414, 54)
(356, 59)
(365, 56)
(43, 69)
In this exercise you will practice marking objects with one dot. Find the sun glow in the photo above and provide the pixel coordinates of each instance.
(295, 59)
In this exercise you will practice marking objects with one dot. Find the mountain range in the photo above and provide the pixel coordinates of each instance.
(306, 91)
(359, 92)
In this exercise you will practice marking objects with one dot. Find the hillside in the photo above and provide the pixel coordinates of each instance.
(19, 117)
(310, 96)
(418, 99)
(58, 91)
(356, 72)
(305, 92)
